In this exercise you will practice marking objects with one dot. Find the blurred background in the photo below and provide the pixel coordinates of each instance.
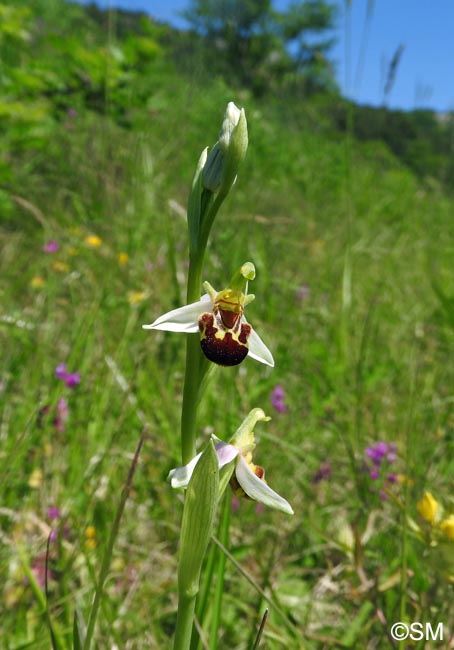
(344, 203)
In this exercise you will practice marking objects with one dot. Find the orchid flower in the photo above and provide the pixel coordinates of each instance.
(226, 338)
(247, 479)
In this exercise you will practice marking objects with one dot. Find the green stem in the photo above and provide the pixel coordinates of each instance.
(192, 381)
(224, 538)
(207, 220)
(194, 373)
(185, 619)
(192, 377)
(195, 274)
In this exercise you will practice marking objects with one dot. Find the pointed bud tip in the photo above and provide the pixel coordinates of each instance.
(233, 113)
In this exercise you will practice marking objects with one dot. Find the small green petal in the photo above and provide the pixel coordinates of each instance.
(243, 437)
(240, 279)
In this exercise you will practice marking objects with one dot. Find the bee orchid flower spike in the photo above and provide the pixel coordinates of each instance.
(245, 478)
(226, 338)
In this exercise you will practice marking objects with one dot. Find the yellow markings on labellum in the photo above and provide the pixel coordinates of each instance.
(223, 336)
(221, 344)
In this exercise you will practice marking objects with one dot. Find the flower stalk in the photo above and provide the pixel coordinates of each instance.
(217, 333)
(205, 199)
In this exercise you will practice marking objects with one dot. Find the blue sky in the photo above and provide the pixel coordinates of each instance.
(425, 28)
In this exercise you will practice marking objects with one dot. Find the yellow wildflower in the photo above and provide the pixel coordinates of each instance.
(428, 507)
(93, 241)
(447, 526)
(90, 537)
(61, 267)
(72, 250)
(403, 479)
(37, 282)
(123, 259)
(134, 297)
(36, 479)
(118, 564)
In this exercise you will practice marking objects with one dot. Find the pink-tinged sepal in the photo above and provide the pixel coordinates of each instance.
(221, 345)
(247, 479)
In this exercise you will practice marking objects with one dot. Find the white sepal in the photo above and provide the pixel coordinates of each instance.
(183, 319)
(258, 350)
(257, 489)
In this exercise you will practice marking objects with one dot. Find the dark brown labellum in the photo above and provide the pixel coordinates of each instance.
(220, 345)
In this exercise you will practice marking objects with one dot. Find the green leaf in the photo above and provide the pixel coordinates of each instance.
(79, 630)
(356, 627)
(198, 520)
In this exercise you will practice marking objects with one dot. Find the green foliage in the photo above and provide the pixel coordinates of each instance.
(420, 138)
(354, 272)
(253, 45)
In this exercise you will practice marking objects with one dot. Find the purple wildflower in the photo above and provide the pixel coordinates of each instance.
(53, 513)
(391, 456)
(62, 414)
(377, 452)
(277, 399)
(38, 566)
(70, 378)
(235, 503)
(381, 455)
(303, 292)
(322, 474)
(51, 246)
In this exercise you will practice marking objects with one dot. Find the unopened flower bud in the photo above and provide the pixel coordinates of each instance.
(232, 117)
(212, 172)
(224, 159)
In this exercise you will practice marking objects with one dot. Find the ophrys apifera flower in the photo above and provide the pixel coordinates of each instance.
(226, 338)
(246, 479)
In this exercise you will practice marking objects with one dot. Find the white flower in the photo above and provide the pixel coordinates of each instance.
(247, 479)
(226, 338)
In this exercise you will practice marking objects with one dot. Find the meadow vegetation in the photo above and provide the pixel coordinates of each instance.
(353, 248)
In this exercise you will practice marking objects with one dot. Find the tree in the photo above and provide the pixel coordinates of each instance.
(257, 46)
